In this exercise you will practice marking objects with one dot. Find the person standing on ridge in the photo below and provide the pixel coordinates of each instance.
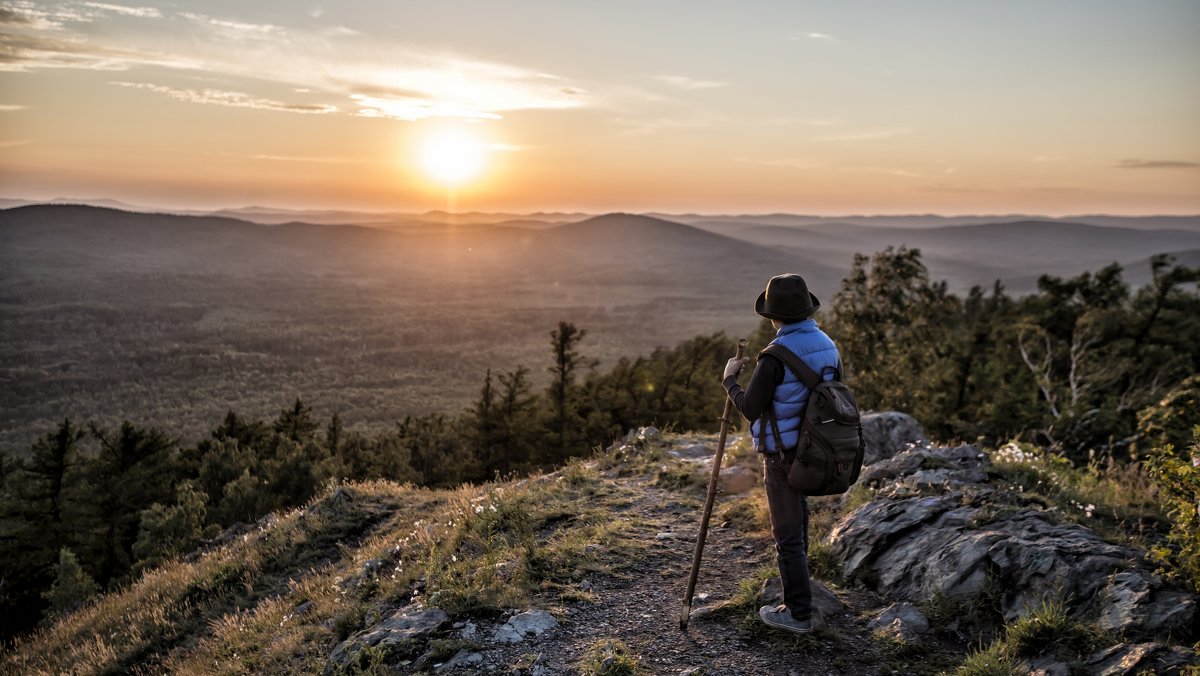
(775, 389)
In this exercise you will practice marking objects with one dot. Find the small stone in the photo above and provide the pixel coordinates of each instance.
(911, 622)
(535, 622)
(303, 609)
(463, 658)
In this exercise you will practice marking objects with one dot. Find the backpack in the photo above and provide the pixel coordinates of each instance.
(829, 456)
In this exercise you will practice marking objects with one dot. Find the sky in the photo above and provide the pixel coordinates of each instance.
(857, 107)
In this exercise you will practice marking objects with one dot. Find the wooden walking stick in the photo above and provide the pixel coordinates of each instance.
(686, 612)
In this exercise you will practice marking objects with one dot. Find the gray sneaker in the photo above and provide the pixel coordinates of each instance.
(781, 618)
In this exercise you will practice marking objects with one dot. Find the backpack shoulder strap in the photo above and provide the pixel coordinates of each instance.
(802, 370)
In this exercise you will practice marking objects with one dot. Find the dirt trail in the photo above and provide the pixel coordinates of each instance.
(640, 605)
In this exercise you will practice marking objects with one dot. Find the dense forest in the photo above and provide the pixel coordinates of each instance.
(1086, 367)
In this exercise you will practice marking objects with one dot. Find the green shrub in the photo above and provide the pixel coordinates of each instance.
(609, 657)
(1045, 630)
(1180, 482)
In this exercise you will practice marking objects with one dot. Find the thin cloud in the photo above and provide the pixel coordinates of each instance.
(231, 99)
(375, 78)
(813, 35)
(24, 53)
(142, 12)
(237, 26)
(1156, 164)
(688, 83)
(14, 144)
(413, 109)
(29, 15)
(9, 107)
(866, 135)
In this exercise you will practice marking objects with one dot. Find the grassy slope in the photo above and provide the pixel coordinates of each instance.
(279, 598)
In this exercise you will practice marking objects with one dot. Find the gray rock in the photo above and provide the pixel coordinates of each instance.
(648, 436)
(924, 467)
(691, 451)
(1126, 658)
(911, 548)
(467, 630)
(737, 479)
(399, 631)
(463, 659)
(530, 622)
(303, 609)
(671, 535)
(1138, 600)
(889, 432)
(901, 621)
(825, 603)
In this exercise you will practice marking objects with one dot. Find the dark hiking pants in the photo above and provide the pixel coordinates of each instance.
(789, 527)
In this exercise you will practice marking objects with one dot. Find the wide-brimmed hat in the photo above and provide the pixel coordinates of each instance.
(787, 299)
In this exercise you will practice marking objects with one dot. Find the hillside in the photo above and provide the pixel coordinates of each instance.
(1015, 252)
(565, 571)
(375, 324)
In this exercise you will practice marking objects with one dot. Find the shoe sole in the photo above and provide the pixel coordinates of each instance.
(779, 625)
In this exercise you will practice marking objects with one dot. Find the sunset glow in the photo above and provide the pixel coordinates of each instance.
(452, 156)
(929, 106)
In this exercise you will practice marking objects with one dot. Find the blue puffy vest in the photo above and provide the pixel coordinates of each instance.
(817, 350)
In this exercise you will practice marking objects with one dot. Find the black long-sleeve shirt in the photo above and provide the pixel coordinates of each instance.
(753, 401)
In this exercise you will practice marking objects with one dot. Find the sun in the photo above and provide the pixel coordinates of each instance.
(453, 156)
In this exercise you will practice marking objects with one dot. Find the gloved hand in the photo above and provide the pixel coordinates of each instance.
(734, 367)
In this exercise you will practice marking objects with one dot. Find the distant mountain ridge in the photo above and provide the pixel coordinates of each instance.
(276, 215)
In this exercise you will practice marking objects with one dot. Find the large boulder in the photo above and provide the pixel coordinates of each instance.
(927, 467)
(963, 543)
(889, 432)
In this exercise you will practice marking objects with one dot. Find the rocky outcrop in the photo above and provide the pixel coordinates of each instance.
(888, 433)
(1140, 658)
(937, 527)
(400, 636)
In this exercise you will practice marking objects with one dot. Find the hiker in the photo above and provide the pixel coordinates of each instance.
(775, 388)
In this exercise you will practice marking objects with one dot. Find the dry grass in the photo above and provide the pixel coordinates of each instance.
(277, 600)
(1119, 500)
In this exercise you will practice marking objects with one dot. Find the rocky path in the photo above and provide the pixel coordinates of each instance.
(639, 605)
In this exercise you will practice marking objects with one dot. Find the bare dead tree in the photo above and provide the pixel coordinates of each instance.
(1042, 372)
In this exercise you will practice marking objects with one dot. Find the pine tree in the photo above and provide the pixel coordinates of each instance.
(333, 435)
(132, 471)
(44, 484)
(165, 531)
(71, 588)
(564, 423)
(296, 423)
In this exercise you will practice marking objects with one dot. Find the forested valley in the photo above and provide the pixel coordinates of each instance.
(1087, 369)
